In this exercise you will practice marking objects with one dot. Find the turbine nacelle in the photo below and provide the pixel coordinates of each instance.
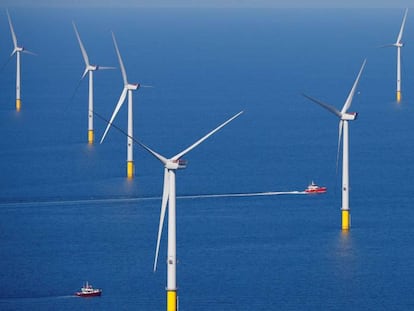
(349, 116)
(92, 67)
(132, 87)
(176, 164)
(398, 44)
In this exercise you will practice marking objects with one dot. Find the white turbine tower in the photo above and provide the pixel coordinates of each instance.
(17, 50)
(398, 44)
(344, 116)
(128, 88)
(89, 69)
(169, 196)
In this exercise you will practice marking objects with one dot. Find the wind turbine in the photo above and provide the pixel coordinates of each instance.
(169, 196)
(344, 116)
(89, 69)
(17, 50)
(398, 44)
(128, 88)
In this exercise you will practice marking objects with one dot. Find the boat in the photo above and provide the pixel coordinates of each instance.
(88, 291)
(314, 188)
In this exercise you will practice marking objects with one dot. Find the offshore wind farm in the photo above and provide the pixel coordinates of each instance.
(247, 236)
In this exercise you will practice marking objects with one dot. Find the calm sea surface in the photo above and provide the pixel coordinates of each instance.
(69, 215)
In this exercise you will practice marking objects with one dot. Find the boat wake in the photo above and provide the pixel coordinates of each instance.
(137, 199)
(29, 299)
(230, 195)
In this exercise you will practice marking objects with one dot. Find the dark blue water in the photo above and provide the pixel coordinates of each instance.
(68, 214)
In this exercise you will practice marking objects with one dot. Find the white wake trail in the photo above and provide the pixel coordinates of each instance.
(229, 195)
(136, 199)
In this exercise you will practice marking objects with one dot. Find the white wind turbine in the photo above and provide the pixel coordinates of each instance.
(169, 196)
(17, 50)
(398, 44)
(89, 69)
(344, 116)
(128, 88)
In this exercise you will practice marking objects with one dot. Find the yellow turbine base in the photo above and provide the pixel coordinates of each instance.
(91, 136)
(130, 169)
(18, 104)
(398, 96)
(171, 300)
(346, 220)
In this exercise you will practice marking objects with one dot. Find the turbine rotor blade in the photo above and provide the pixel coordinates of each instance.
(4, 65)
(29, 52)
(76, 90)
(165, 195)
(106, 68)
(85, 73)
(155, 154)
(83, 50)
(113, 125)
(348, 101)
(182, 153)
(341, 126)
(163, 160)
(121, 64)
(118, 106)
(400, 34)
(386, 45)
(324, 105)
(12, 30)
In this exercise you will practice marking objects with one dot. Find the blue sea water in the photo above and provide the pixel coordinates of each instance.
(68, 214)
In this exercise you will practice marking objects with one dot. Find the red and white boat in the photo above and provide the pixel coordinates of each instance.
(88, 291)
(314, 188)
